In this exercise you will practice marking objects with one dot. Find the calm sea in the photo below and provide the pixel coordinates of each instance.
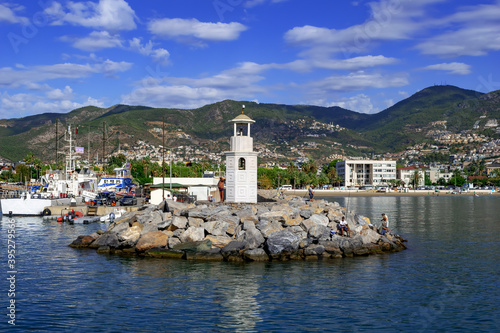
(447, 281)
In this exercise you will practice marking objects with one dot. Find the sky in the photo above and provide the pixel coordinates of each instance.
(364, 56)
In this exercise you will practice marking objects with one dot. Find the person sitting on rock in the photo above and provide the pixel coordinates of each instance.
(343, 226)
(384, 228)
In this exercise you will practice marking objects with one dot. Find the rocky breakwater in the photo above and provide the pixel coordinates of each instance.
(283, 230)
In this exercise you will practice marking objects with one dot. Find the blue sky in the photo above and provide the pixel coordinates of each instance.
(361, 55)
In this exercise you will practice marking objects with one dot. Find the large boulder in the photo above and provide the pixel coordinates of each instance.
(219, 241)
(197, 246)
(233, 249)
(369, 236)
(109, 239)
(193, 234)
(216, 228)
(82, 242)
(195, 222)
(319, 219)
(256, 255)
(178, 222)
(150, 240)
(132, 234)
(267, 228)
(253, 238)
(282, 241)
(319, 232)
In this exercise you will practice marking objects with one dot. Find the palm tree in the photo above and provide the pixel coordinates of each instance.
(416, 179)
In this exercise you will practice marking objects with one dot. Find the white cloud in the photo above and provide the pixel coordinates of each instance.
(26, 76)
(356, 63)
(58, 94)
(113, 15)
(473, 30)
(159, 55)
(192, 28)
(453, 67)
(7, 14)
(96, 40)
(358, 81)
(182, 92)
(20, 105)
(359, 103)
(389, 21)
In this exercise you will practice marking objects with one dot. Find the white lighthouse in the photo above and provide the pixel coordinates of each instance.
(241, 163)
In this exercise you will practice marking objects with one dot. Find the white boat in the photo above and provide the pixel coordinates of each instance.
(29, 204)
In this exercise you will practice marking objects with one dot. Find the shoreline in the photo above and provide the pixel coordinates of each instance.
(371, 193)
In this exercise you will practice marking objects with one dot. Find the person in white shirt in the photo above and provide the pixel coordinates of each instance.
(343, 226)
(384, 228)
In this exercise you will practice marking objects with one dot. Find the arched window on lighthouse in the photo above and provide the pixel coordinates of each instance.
(241, 164)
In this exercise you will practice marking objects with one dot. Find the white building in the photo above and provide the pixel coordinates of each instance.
(366, 172)
(407, 175)
(241, 163)
(202, 188)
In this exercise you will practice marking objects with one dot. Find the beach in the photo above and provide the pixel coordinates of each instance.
(373, 193)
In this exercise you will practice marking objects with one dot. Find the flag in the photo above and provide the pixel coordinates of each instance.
(79, 150)
(76, 129)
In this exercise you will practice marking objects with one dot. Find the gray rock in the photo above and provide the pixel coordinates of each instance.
(207, 255)
(216, 228)
(195, 222)
(162, 225)
(319, 219)
(178, 222)
(198, 246)
(202, 213)
(253, 238)
(282, 241)
(107, 239)
(173, 241)
(307, 224)
(149, 227)
(256, 255)
(273, 216)
(369, 236)
(132, 234)
(314, 249)
(319, 232)
(193, 234)
(270, 228)
(118, 228)
(233, 247)
(306, 213)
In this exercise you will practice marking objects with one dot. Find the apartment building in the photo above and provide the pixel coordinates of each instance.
(366, 172)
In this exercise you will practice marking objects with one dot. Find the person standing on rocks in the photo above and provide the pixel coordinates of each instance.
(311, 193)
(220, 185)
(343, 226)
(384, 228)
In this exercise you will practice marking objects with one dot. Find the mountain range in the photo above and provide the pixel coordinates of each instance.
(320, 131)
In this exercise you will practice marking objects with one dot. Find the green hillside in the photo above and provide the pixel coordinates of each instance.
(277, 125)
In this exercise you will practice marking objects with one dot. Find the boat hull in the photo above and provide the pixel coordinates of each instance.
(28, 206)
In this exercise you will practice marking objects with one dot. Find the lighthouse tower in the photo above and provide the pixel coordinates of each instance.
(241, 163)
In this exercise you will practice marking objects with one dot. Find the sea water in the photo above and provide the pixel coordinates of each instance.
(448, 280)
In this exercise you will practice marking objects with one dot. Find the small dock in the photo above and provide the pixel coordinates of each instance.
(91, 214)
